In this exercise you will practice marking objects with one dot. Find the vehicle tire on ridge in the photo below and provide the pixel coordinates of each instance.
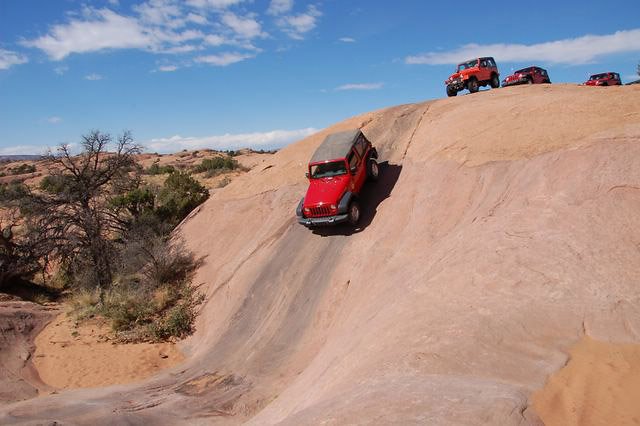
(354, 213)
(373, 170)
(472, 85)
(495, 81)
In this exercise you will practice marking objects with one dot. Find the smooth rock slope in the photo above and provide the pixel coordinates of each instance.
(504, 228)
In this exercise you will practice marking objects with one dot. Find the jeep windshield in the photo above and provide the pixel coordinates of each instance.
(333, 168)
(465, 65)
(598, 76)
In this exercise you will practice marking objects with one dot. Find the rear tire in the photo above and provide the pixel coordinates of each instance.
(354, 213)
(373, 170)
(472, 85)
(495, 81)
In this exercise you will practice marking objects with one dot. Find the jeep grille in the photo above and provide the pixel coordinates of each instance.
(320, 211)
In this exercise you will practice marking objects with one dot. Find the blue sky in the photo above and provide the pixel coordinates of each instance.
(262, 73)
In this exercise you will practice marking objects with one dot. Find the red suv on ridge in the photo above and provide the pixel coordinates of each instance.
(604, 79)
(472, 74)
(530, 75)
(337, 172)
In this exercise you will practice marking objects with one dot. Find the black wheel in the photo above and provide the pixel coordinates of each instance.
(472, 85)
(451, 92)
(373, 171)
(495, 81)
(354, 213)
(529, 81)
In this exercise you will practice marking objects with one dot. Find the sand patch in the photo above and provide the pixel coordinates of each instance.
(600, 385)
(69, 356)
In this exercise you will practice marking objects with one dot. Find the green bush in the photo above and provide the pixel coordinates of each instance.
(215, 164)
(23, 169)
(180, 194)
(157, 169)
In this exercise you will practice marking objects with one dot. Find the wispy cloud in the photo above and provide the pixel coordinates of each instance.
(347, 40)
(61, 70)
(103, 29)
(296, 26)
(279, 7)
(24, 150)
(193, 29)
(167, 68)
(360, 86)
(9, 59)
(224, 59)
(244, 26)
(579, 50)
(54, 120)
(93, 77)
(269, 139)
(214, 4)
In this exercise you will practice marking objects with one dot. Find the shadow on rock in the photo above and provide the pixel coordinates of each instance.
(373, 193)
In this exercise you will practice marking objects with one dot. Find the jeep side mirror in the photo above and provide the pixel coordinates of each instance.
(307, 175)
(353, 170)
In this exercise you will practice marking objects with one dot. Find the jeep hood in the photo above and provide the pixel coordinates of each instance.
(326, 190)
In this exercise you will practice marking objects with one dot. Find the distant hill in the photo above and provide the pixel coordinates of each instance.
(20, 157)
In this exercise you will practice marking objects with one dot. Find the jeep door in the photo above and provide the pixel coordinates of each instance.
(485, 72)
(358, 171)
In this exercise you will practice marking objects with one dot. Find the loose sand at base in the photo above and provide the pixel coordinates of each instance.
(69, 356)
(600, 385)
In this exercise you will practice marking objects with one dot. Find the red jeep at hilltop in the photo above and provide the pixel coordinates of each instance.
(604, 79)
(337, 172)
(472, 74)
(530, 75)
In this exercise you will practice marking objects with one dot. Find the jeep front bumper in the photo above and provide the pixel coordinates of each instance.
(457, 84)
(322, 221)
(514, 82)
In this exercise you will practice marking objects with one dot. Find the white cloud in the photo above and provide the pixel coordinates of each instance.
(223, 59)
(579, 50)
(360, 86)
(245, 27)
(54, 120)
(104, 30)
(24, 150)
(347, 40)
(270, 139)
(296, 26)
(114, 3)
(167, 68)
(279, 7)
(197, 19)
(93, 77)
(61, 69)
(9, 59)
(214, 4)
(215, 40)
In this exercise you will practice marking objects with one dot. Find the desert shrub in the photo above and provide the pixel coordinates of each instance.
(23, 169)
(215, 164)
(180, 194)
(152, 297)
(12, 192)
(157, 169)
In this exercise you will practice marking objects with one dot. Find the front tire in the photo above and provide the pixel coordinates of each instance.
(373, 170)
(451, 92)
(472, 85)
(354, 213)
(495, 81)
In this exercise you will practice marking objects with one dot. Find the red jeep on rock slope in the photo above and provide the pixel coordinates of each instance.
(337, 172)
(472, 74)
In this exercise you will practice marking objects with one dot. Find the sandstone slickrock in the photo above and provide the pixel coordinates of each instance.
(505, 227)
